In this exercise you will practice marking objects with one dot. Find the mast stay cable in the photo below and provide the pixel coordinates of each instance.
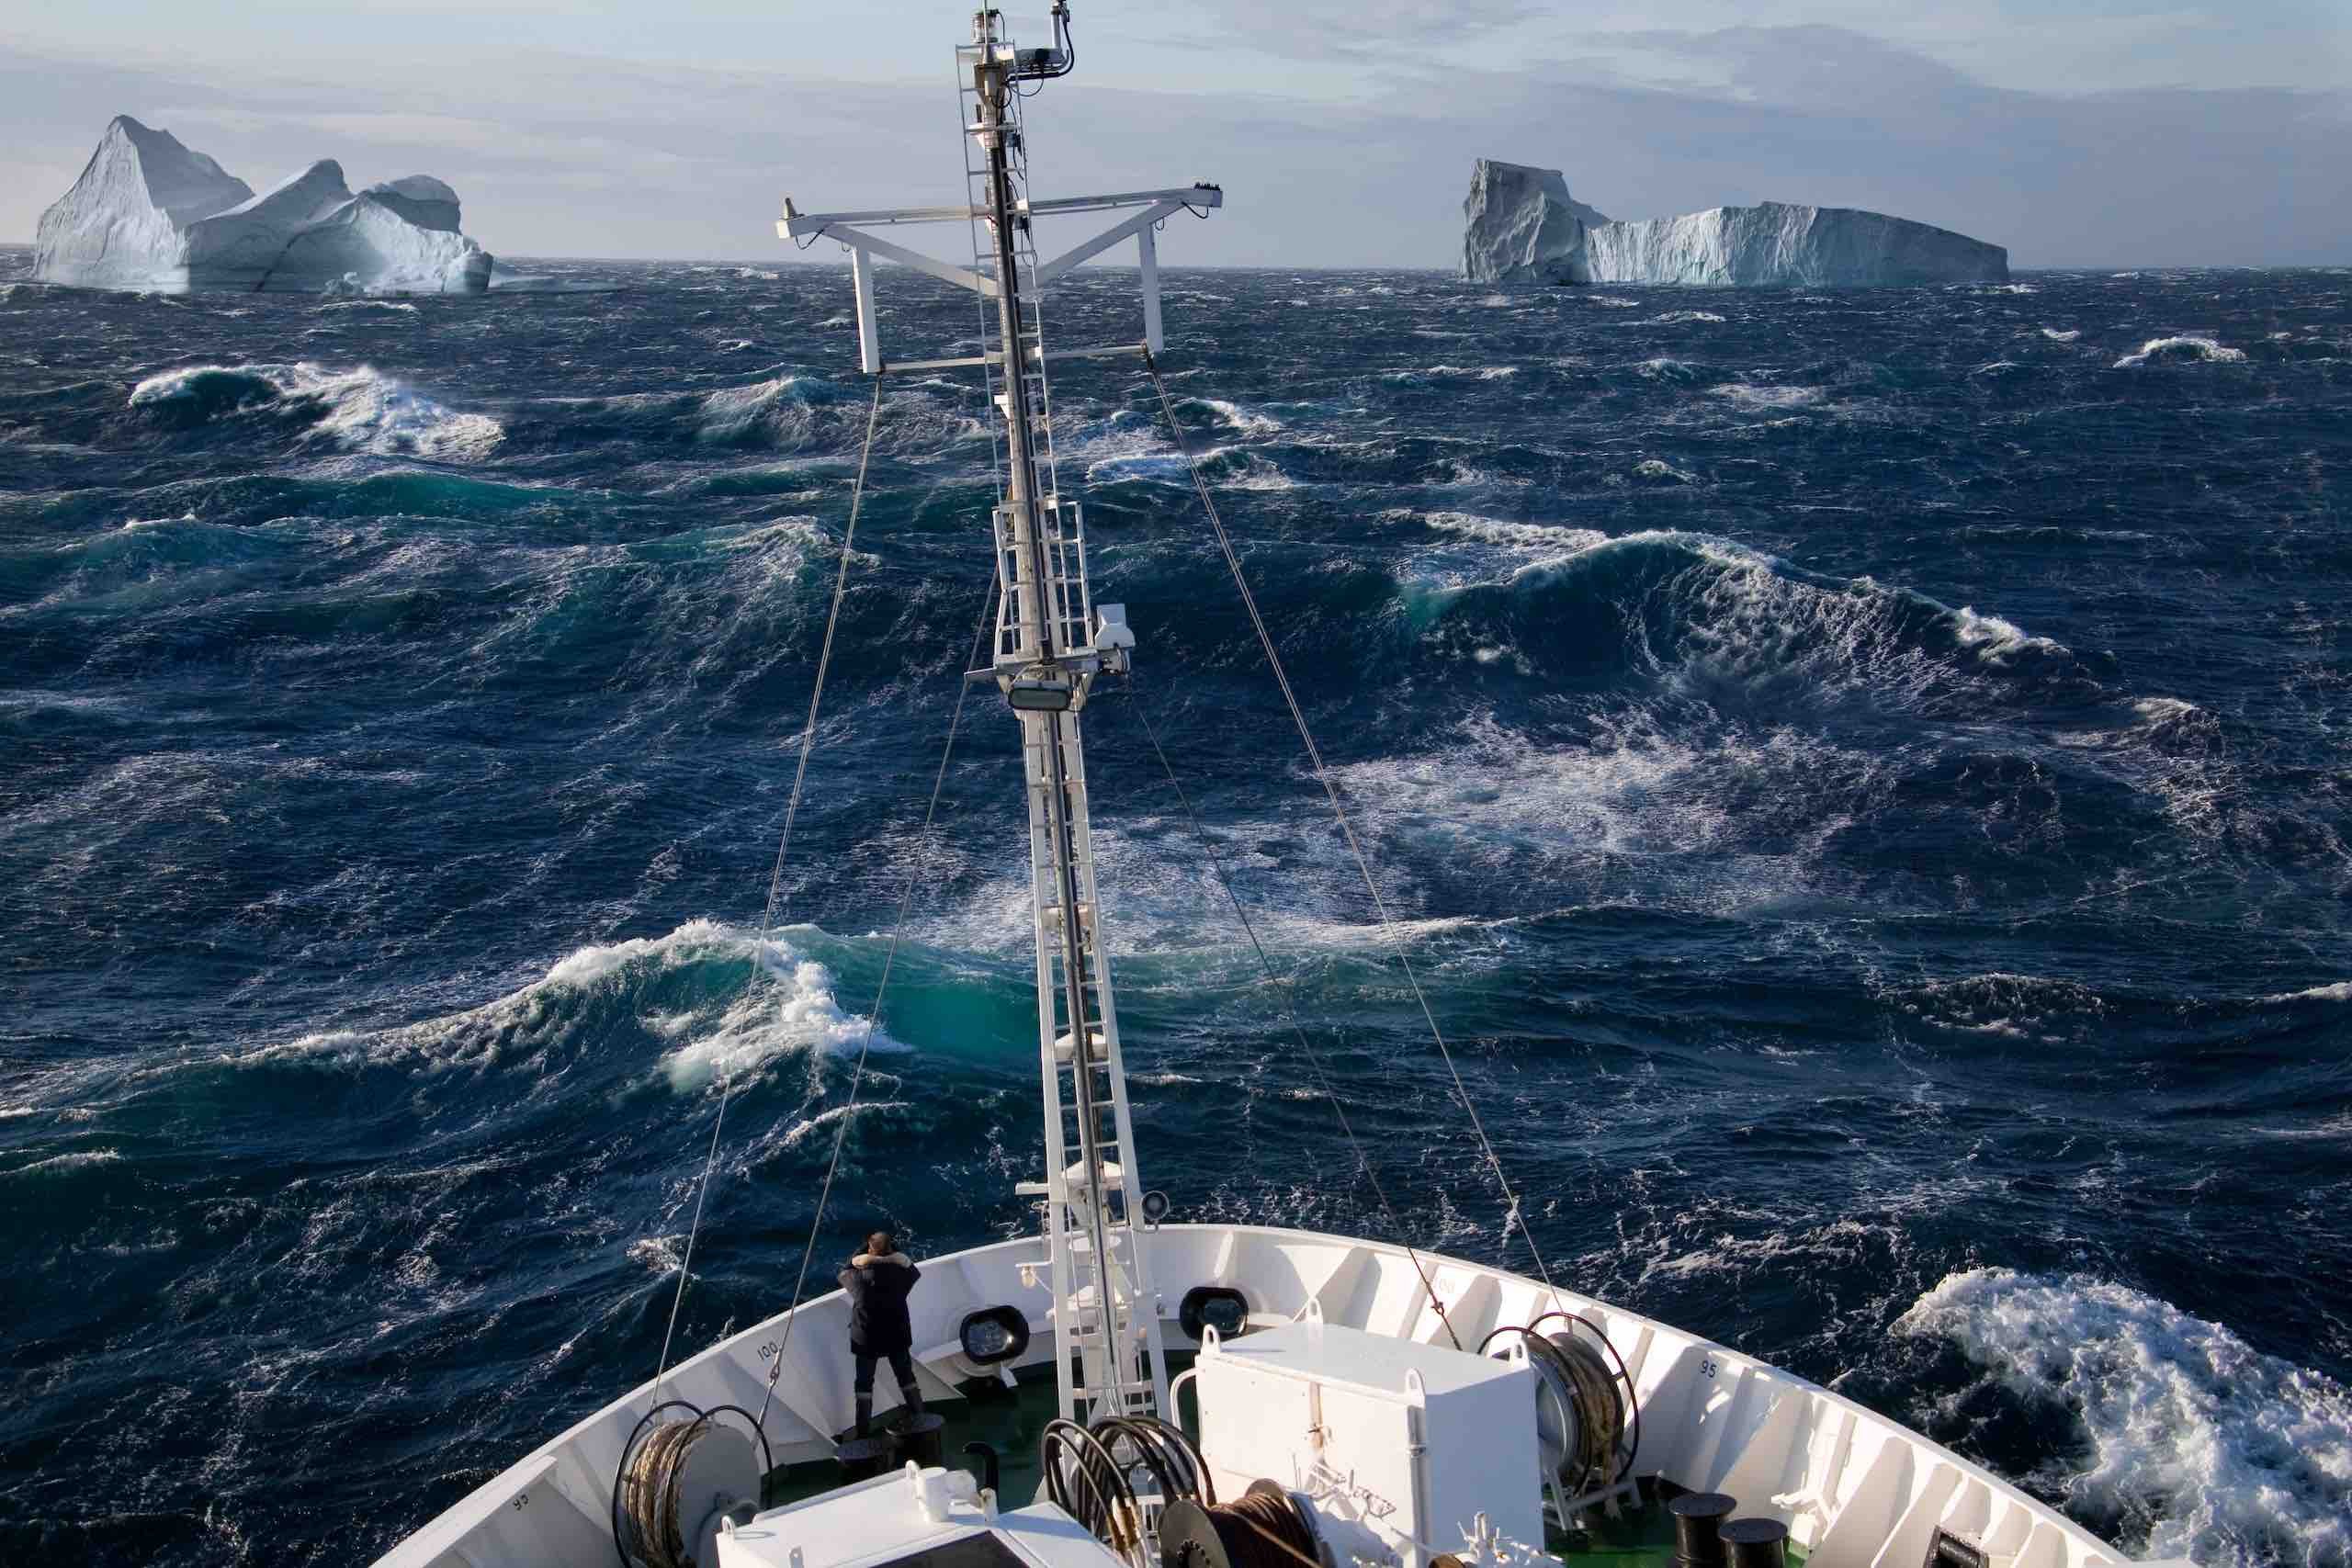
(1512, 1214)
(881, 989)
(1286, 988)
(873, 1017)
(776, 877)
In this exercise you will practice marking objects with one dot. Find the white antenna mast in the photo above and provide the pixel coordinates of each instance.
(1051, 641)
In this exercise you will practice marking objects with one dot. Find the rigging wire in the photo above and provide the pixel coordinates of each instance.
(873, 1017)
(776, 877)
(1512, 1214)
(1285, 989)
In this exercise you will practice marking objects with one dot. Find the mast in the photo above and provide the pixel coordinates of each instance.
(1098, 1273)
(1051, 641)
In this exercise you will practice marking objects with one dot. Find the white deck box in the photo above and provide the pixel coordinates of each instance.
(1412, 1441)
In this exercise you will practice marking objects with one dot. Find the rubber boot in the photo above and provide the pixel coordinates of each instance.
(865, 1415)
(912, 1394)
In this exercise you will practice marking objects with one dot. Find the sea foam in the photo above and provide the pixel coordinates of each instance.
(360, 410)
(2199, 1445)
(2180, 351)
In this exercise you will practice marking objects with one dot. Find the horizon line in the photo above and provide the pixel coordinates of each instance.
(504, 258)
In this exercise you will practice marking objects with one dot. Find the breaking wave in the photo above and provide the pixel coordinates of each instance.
(359, 409)
(1700, 606)
(2197, 1444)
(2180, 351)
(57, 1164)
(689, 996)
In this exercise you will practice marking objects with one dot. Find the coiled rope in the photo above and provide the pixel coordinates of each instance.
(1260, 1529)
(1512, 1214)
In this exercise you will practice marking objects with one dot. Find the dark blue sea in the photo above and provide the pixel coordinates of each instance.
(1862, 774)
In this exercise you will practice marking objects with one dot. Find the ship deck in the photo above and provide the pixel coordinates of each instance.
(1011, 1421)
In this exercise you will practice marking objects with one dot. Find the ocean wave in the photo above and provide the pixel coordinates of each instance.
(59, 1164)
(1453, 372)
(1673, 318)
(2056, 335)
(2180, 351)
(1233, 416)
(801, 1131)
(360, 410)
(2199, 1445)
(1543, 536)
(1748, 395)
(792, 412)
(2020, 1006)
(1700, 606)
(689, 994)
(2340, 991)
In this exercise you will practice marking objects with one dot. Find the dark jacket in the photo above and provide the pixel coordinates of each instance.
(878, 1288)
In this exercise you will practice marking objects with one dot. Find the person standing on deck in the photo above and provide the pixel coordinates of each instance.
(878, 1281)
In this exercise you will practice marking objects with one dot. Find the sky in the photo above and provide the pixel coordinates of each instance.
(2075, 132)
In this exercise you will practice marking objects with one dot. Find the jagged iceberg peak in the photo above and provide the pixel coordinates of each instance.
(424, 201)
(139, 188)
(149, 214)
(1523, 227)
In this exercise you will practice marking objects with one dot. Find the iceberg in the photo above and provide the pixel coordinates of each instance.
(1525, 228)
(149, 214)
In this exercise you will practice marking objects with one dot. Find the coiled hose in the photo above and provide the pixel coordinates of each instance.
(1091, 1472)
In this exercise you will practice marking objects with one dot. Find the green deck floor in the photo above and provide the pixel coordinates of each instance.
(1013, 1420)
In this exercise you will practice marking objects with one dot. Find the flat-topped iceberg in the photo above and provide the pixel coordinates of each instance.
(149, 214)
(1523, 227)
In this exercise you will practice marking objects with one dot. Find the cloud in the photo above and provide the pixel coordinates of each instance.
(1395, 30)
(559, 155)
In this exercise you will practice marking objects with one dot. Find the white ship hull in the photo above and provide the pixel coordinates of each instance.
(1856, 1489)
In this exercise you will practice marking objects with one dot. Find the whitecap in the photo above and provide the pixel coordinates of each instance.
(1993, 638)
(361, 410)
(2180, 350)
(1658, 469)
(753, 1030)
(1247, 421)
(2056, 336)
(737, 1033)
(79, 1161)
(2341, 991)
(800, 1132)
(1754, 397)
(2208, 1447)
(1545, 536)
(658, 1254)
